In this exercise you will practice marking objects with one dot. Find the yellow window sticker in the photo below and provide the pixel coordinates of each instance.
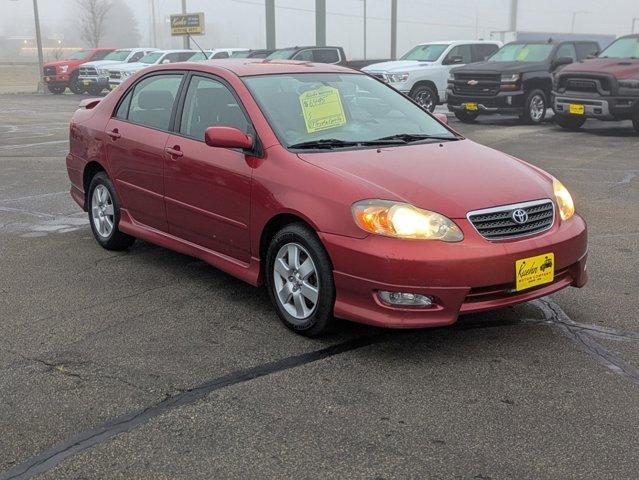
(523, 53)
(322, 109)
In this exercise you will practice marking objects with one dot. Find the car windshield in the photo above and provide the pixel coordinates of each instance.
(197, 57)
(240, 54)
(282, 54)
(79, 55)
(425, 53)
(340, 110)
(119, 55)
(151, 58)
(523, 52)
(622, 48)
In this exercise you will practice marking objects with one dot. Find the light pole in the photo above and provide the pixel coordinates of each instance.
(365, 29)
(186, 42)
(574, 16)
(634, 23)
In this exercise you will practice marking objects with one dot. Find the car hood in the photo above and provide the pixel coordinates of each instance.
(129, 67)
(396, 66)
(63, 62)
(101, 63)
(502, 67)
(618, 67)
(451, 178)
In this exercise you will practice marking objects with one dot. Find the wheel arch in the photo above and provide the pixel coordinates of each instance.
(90, 170)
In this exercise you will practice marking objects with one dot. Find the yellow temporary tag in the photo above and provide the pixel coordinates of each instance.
(322, 109)
(533, 271)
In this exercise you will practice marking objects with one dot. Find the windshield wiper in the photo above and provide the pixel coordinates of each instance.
(330, 143)
(416, 137)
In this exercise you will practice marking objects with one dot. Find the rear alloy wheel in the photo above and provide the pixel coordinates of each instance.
(425, 96)
(299, 278)
(465, 116)
(570, 123)
(104, 214)
(535, 107)
(56, 89)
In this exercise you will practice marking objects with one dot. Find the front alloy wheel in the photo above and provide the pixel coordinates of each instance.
(425, 97)
(535, 107)
(299, 277)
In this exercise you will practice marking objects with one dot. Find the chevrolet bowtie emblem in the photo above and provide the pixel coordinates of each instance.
(472, 82)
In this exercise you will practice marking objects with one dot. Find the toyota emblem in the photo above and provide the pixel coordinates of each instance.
(519, 216)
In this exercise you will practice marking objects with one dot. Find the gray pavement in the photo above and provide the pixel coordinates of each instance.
(151, 364)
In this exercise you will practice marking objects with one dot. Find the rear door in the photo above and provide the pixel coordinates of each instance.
(136, 137)
(208, 189)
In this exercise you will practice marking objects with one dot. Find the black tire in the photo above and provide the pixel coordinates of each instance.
(116, 240)
(56, 89)
(465, 116)
(531, 116)
(75, 86)
(425, 96)
(95, 91)
(321, 319)
(570, 123)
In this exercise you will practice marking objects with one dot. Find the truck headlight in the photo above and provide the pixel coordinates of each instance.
(401, 220)
(64, 68)
(564, 200)
(397, 77)
(511, 78)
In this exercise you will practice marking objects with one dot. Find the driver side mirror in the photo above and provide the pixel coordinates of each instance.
(227, 137)
(562, 61)
(455, 60)
(166, 60)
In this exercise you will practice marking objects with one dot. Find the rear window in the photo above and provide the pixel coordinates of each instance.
(523, 52)
(622, 48)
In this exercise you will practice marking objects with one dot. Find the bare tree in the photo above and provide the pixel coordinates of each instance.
(93, 14)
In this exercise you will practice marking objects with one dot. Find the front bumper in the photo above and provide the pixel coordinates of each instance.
(508, 103)
(598, 106)
(93, 82)
(470, 276)
(57, 79)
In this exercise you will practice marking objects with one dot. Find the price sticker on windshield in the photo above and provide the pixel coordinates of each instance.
(322, 109)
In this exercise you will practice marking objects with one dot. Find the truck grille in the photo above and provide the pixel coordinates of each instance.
(49, 70)
(499, 223)
(478, 84)
(114, 74)
(88, 72)
(582, 84)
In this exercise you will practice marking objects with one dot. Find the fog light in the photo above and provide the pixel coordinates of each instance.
(405, 299)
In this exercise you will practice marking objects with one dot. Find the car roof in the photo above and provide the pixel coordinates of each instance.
(300, 47)
(460, 42)
(244, 67)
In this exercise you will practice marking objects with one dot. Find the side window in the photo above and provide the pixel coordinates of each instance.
(152, 101)
(221, 55)
(123, 110)
(136, 56)
(304, 55)
(463, 52)
(566, 50)
(483, 51)
(209, 103)
(184, 56)
(326, 55)
(586, 49)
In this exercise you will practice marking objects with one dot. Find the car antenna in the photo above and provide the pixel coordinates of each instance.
(198, 46)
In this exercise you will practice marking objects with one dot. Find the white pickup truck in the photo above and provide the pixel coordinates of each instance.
(422, 73)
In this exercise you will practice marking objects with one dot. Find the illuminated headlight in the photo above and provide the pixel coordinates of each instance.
(634, 84)
(64, 68)
(397, 77)
(564, 200)
(511, 78)
(125, 74)
(401, 220)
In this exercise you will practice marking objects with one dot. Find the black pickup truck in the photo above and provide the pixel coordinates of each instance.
(332, 55)
(516, 80)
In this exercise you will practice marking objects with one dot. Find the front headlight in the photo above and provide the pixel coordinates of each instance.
(511, 78)
(451, 78)
(64, 68)
(401, 220)
(397, 77)
(125, 74)
(564, 200)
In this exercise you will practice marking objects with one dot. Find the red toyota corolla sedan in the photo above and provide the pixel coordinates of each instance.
(340, 194)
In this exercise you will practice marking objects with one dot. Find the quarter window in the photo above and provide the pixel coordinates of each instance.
(151, 101)
(210, 103)
(326, 55)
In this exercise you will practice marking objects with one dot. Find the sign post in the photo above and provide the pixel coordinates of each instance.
(186, 24)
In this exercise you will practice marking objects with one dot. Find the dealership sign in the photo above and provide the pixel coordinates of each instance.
(187, 24)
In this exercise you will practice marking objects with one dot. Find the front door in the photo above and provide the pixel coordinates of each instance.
(207, 189)
(136, 138)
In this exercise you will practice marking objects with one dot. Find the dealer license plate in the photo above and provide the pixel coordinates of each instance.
(86, 83)
(471, 106)
(577, 109)
(533, 271)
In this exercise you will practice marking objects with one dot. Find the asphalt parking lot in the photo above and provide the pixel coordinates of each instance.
(151, 364)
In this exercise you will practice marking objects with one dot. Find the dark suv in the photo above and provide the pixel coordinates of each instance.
(606, 88)
(517, 79)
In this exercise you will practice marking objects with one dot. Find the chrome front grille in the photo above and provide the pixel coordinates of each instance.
(480, 84)
(499, 223)
(88, 72)
(114, 74)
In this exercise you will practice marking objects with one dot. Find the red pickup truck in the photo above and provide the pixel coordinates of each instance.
(61, 74)
(606, 87)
